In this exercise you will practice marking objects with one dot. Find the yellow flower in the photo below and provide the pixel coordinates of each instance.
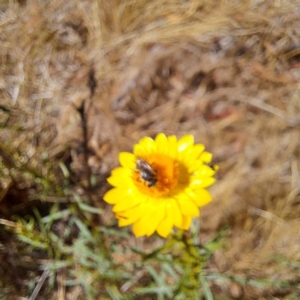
(161, 184)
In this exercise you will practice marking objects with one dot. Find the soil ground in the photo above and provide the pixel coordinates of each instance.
(227, 72)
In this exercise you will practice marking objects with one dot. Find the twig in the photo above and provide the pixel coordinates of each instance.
(40, 284)
(92, 83)
(9, 223)
(82, 112)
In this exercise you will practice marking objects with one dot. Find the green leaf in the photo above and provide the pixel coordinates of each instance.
(91, 209)
(56, 216)
(34, 243)
(207, 292)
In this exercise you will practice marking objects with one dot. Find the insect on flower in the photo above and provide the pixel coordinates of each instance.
(146, 172)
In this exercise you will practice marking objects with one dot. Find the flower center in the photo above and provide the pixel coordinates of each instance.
(156, 175)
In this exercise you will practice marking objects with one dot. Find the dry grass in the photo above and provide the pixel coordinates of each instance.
(225, 71)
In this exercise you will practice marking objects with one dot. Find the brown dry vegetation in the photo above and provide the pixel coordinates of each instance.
(226, 71)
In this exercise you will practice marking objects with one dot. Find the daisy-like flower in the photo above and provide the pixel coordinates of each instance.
(161, 184)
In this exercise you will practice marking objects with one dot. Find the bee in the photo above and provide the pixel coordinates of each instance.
(146, 172)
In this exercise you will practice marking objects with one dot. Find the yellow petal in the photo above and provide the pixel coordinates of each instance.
(148, 144)
(187, 206)
(215, 168)
(165, 226)
(121, 172)
(121, 177)
(195, 166)
(173, 210)
(202, 183)
(127, 160)
(115, 195)
(118, 182)
(162, 143)
(204, 171)
(153, 214)
(122, 222)
(197, 150)
(173, 146)
(185, 142)
(129, 216)
(138, 230)
(155, 220)
(202, 197)
(186, 222)
(139, 150)
(192, 154)
(128, 202)
(206, 157)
